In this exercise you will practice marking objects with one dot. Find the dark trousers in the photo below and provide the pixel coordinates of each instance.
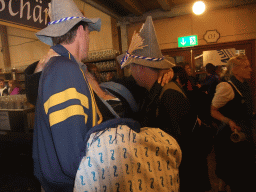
(235, 161)
(194, 168)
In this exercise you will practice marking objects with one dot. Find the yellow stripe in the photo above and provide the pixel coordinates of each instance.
(100, 115)
(95, 109)
(64, 96)
(62, 115)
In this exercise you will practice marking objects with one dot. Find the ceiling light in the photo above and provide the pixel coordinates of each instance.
(198, 7)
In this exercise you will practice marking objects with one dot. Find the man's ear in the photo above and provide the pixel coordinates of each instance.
(80, 30)
(178, 80)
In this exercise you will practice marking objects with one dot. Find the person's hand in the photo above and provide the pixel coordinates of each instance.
(165, 76)
(41, 64)
(233, 126)
(199, 121)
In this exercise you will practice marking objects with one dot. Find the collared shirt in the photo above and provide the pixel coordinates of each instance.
(2, 90)
(224, 94)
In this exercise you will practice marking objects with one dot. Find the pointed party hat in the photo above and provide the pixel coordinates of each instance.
(64, 15)
(144, 49)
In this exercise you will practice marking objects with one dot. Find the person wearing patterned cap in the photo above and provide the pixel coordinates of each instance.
(145, 60)
(165, 107)
(66, 108)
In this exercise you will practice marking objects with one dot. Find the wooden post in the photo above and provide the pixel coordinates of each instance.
(124, 43)
(115, 35)
(5, 47)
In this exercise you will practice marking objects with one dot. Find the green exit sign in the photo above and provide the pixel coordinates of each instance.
(188, 41)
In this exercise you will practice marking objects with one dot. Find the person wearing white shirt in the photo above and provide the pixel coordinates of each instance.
(232, 106)
(3, 88)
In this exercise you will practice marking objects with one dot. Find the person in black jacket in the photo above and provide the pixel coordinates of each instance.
(198, 138)
(165, 107)
(207, 90)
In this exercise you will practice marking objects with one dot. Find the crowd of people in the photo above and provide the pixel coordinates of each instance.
(10, 88)
(224, 102)
(136, 133)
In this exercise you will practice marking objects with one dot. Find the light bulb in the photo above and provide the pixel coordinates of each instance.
(198, 7)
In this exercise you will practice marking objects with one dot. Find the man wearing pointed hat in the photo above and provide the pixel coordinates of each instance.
(165, 107)
(65, 109)
(146, 60)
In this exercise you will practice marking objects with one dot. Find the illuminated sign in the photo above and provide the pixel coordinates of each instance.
(188, 41)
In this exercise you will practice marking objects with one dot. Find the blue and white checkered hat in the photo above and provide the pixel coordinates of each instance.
(64, 16)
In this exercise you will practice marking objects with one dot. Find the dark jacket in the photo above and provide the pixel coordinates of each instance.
(240, 109)
(209, 84)
(172, 113)
(32, 82)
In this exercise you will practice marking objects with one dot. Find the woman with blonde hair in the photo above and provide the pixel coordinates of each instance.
(232, 106)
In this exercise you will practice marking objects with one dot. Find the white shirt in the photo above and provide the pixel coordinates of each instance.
(224, 93)
(1, 91)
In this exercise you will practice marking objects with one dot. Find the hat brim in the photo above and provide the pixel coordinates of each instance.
(59, 29)
(163, 64)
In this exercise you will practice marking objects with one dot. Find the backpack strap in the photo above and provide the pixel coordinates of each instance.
(234, 87)
(123, 91)
(172, 85)
(110, 108)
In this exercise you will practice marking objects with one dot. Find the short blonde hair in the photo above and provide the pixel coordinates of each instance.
(234, 62)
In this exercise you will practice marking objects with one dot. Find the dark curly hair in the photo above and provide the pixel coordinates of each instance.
(210, 68)
(180, 72)
(69, 37)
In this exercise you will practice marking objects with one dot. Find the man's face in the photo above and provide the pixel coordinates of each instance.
(9, 84)
(139, 74)
(84, 45)
(188, 70)
(243, 70)
(135, 73)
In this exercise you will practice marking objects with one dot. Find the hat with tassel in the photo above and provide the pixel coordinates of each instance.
(144, 49)
(64, 15)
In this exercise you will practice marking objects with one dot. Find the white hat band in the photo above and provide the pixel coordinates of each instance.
(64, 19)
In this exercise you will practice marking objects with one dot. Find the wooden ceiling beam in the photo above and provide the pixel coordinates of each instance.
(132, 6)
(98, 5)
(165, 4)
